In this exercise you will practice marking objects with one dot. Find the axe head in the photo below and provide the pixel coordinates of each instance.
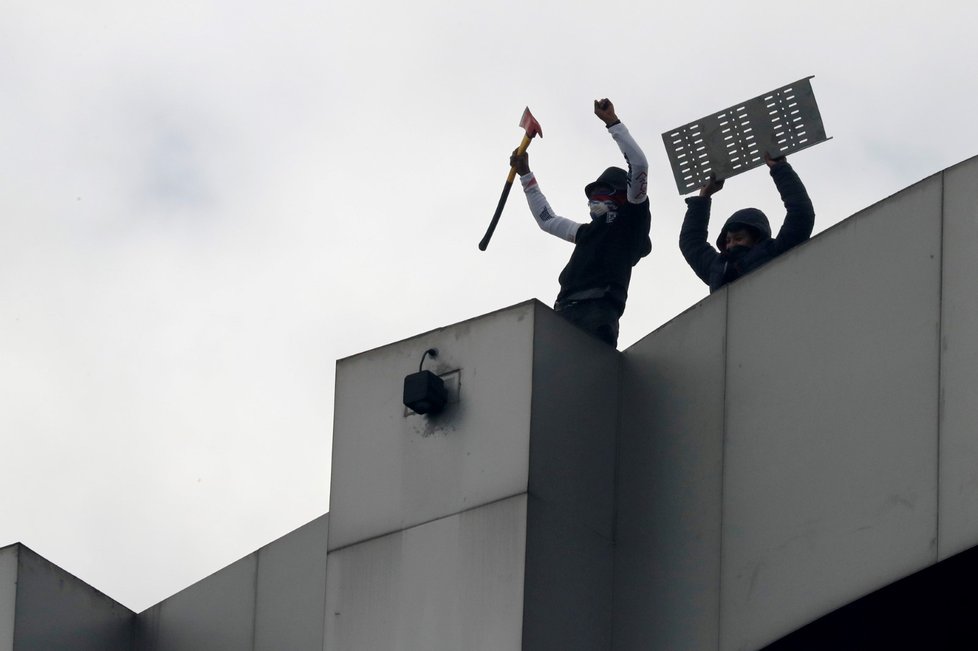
(530, 124)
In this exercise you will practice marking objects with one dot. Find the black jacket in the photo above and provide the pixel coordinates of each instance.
(716, 269)
(605, 252)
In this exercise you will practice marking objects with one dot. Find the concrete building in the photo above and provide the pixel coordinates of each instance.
(792, 463)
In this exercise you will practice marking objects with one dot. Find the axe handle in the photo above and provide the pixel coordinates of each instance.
(505, 195)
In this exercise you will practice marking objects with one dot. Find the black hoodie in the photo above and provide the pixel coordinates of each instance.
(717, 269)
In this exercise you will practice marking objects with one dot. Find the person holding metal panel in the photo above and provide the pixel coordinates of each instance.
(594, 283)
(745, 241)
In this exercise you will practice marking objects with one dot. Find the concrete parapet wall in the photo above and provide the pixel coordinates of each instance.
(453, 583)
(270, 600)
(834, 393)
(43, 607)
(534, 426)
(8, 596)
(670, 485)
(393, 469)
(958, 488)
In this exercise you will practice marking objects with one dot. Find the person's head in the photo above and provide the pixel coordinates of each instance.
(607, 191)
(740, 236)
(745, 228)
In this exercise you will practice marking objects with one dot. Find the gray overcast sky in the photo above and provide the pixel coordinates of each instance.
(205, 204)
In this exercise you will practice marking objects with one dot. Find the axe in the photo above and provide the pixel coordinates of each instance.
(531, 128)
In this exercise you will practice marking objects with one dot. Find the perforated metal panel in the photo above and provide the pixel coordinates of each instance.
(734, 140)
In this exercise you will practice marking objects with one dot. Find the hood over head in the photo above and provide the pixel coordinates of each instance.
(747, 217)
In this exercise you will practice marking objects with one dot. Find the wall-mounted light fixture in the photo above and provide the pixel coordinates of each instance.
(424, 392)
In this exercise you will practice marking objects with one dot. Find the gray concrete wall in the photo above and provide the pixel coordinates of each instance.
(217, 613)
(453, 583)
(830, 443)
(55, 610)
(393, 470)
(806, 435)
(958, 513)
(8, 596)
(270, 600)
(667, 564)
(535, 421)
(291, 593)
(570, 529)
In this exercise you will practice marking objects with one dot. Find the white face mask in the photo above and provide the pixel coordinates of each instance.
(599, 208)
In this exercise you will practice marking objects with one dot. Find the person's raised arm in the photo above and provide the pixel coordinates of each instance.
(697, 251)
(799, 219)
(638, 164)
(556, 225)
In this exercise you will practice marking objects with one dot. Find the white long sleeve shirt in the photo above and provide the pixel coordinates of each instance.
(566, 229)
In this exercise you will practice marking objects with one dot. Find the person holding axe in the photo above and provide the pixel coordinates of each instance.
(745, 241)
(594, 283)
